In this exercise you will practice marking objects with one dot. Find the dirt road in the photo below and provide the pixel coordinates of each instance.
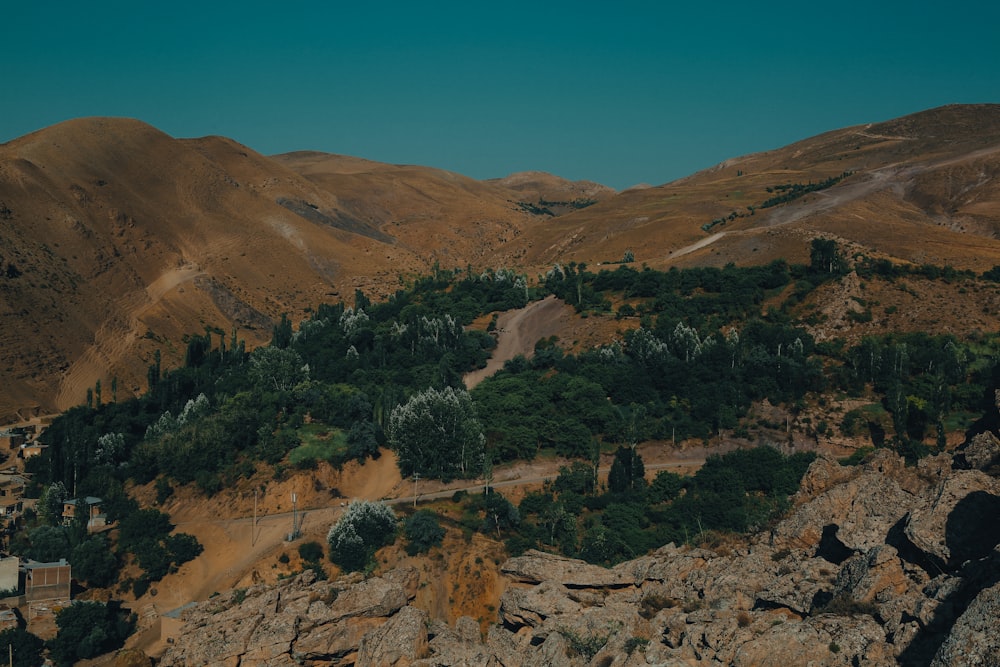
(519, 330)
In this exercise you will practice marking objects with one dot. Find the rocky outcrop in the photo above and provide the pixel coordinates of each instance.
(974, 639)
(878, 564)
(297, 619)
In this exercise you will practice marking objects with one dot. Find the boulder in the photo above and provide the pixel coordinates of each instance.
(537, 566)
(983, 451)
(958, 521)
(974, 639)
(396, 643)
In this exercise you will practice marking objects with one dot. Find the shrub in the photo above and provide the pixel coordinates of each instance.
(423, 531)
(311, 551)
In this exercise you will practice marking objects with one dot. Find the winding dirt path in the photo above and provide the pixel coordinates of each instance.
(519, 330)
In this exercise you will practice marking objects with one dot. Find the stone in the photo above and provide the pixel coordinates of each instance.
(396, 643)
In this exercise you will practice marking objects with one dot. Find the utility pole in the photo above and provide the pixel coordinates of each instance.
(416, 478)
(295, 529)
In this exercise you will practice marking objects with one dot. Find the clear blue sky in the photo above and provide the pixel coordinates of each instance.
(618, 93)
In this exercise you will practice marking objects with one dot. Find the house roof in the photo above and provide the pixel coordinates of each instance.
(35, 565)
(89, 500)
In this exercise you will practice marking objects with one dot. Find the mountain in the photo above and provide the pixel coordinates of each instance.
(923, 188)
(118, 240)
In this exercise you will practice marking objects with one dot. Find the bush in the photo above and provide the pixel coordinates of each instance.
(422, 531)
(311, 551)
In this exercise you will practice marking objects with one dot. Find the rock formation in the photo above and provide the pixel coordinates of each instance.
(877, 564)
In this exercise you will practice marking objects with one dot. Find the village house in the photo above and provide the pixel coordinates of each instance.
(91, 507)
(9, 574)
(12, 439)
(47, 581)
(12, 486)
(30, 449)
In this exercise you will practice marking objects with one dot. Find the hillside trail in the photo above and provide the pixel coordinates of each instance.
(115, 337)
(519, 330)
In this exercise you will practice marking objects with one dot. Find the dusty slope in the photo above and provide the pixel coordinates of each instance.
(117, 240)
(924, 188)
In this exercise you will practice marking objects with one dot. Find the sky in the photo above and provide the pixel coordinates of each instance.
(619, 93)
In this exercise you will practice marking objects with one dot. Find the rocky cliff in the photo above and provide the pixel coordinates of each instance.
(878, 564)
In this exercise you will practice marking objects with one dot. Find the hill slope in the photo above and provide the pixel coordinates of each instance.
(117, 240)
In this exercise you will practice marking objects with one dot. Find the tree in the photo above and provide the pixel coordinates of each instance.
(578, 477)
(422, 531)
(311, 552)
(24, 647)
(50, 504)
(279, 369)
(500, 513)
(48, 544)
(88, 629)
(362, 441)
(825, 257)
(94, 563)
(437, 434)
(627, 471)
(362, 529)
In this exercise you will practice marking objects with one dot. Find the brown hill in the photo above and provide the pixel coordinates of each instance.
(117, 240)
(923, 188)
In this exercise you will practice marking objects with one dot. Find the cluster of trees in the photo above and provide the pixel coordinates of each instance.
(85, 630)
(739, 491)
(790, 191)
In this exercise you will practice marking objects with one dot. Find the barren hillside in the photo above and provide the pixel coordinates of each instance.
(118, 240)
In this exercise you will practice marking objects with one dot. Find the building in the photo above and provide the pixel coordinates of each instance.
(11, 491)
(30, 449)
(9, 574)
(12, 439)
(91, 506)
(47, 581)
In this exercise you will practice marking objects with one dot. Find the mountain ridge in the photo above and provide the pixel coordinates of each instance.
(119, 240)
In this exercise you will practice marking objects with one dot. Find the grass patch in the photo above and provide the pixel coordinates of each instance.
(319, 443)
(959, 421)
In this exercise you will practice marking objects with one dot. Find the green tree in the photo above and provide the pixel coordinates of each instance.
(277, 368)
(24, 647)
(311, 552)
(48, 544)
(825, 257)
(50, 504)
(362, 529)
(94, 563)
(88, 629)
(627, 471)
(436, 433)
